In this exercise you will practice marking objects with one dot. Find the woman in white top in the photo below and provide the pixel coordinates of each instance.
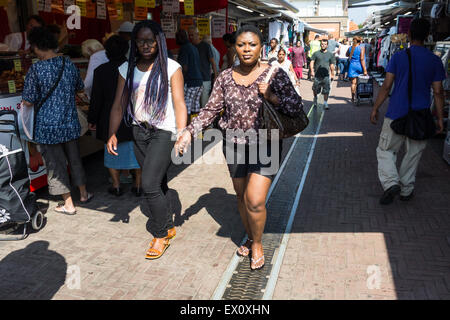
(342, 60)
(150, 89)
(286, 65)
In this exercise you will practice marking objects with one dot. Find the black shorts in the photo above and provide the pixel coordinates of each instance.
(262, 159)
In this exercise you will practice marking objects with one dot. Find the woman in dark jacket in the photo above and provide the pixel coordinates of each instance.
(102, 98)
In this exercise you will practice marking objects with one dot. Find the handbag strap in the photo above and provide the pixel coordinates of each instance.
(269, 74)
(49, 93)
(408, 52)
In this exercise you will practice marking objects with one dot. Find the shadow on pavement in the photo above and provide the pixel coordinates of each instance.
(222, 207)
(32, 273)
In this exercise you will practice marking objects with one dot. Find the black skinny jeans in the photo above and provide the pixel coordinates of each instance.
(153, 148)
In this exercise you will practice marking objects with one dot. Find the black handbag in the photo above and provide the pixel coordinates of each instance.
(286, 125)
(417, 124)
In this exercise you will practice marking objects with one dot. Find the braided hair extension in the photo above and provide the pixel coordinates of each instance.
(157, 88)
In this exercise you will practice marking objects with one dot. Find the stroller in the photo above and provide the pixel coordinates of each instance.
(364, 89)
(17, 204)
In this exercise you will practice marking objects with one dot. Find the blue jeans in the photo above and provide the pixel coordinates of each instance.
(342, 65)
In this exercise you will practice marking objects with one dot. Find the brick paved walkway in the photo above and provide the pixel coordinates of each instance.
(342, 239)
(106, 241)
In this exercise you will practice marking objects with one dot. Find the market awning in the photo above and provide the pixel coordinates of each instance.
(310, 28)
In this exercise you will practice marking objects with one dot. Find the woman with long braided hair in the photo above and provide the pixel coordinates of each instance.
(150, 97)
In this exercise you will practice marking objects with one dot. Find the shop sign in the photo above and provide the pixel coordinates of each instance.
(101, 9)
(189, 7)
(168, 26)
(185, 23)
(145, 3)
(171, 6)
(218, 27)
(140, 13)
(203, 27)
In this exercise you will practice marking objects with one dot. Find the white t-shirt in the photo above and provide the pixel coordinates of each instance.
(15, 41)
(286, 65)
(343, 48)
(140, 83)
(95, 60)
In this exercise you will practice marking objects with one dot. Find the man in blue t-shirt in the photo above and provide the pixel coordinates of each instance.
(427, 72)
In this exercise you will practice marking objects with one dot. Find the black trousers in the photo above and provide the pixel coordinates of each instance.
(153, 148)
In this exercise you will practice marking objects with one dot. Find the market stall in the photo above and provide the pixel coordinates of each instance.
(96, 20)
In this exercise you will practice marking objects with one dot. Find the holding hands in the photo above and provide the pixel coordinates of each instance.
(183, 141)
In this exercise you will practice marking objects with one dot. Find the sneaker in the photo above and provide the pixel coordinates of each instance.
(408, 197)
(326, 106)
(389, 195)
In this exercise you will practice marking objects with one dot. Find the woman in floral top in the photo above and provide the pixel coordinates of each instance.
(57, 126)
(239, 91)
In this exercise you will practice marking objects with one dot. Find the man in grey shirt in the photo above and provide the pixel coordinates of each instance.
(322, 62)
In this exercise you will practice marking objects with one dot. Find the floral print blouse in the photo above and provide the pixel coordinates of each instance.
(241, 103)
(57, 120)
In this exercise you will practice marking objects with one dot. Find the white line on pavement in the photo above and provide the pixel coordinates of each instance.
(270, 288)
(228, 274)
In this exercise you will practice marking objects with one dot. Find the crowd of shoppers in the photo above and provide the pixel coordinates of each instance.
(140, 100)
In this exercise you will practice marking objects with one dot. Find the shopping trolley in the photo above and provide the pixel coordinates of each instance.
(364, 89)
(17, 204)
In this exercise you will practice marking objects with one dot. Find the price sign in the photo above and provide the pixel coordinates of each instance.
(101, 9)
(17, 65)
(140, 13)
(12, 86)
(119, 8)
(83, 8)
(171, 6)
(145, 3)
(189, 7)
(203, 27)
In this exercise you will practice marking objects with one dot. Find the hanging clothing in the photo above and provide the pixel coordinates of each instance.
(275, 30)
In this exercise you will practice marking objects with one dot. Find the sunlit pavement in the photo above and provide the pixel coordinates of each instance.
(343, 244)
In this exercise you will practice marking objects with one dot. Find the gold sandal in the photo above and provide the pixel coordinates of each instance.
(153, 253)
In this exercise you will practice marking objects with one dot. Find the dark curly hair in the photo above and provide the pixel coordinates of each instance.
(116, 48)
(251, 29)
(43, 39)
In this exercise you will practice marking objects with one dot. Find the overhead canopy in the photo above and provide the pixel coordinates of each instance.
(366, 3)
(385, 18)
